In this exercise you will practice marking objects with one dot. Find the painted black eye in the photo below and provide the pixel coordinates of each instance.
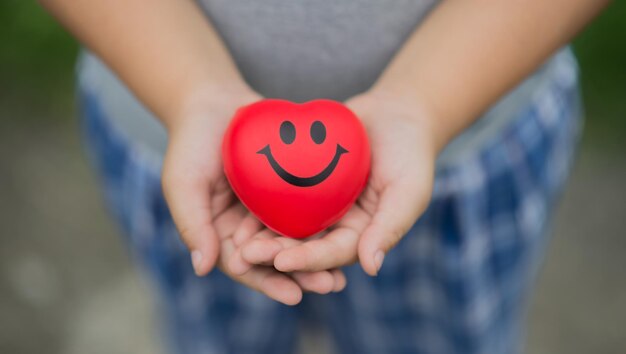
(318, 132)
(287, 132)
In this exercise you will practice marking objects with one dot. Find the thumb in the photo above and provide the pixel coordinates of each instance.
(399, 207)
(188, 198)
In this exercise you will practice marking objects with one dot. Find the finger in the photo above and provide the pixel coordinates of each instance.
(248, 227)
(188, 198)
(340, 280)
(226, 225)
(275, 285)
(318, 282)
(227, 221)
(399, 207)
(264, 246)
(261, 248)
(237, 265)
(266, 280)
(338, 248)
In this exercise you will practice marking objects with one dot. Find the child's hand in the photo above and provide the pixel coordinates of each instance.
(205, 209)
(399, 190)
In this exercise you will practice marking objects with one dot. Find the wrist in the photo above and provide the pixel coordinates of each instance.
(418, 109)
(214, 100)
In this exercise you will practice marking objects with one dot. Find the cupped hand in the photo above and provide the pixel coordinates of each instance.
(205, 209)
(398, 192)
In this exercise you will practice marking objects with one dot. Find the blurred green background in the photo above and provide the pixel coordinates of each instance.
(67, 285)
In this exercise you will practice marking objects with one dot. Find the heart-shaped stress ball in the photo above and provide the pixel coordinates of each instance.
(297, 167)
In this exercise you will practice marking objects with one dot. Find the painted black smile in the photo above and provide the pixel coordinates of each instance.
(302, 181)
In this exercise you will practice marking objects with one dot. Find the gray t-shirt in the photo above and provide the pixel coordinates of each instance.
(302, 50)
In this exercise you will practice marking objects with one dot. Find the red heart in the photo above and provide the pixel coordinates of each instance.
(297, 167)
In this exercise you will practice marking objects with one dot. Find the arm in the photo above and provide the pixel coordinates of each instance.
(172, 59)
(471, 53)
(165, 51)
(161, 49)
(454, 66)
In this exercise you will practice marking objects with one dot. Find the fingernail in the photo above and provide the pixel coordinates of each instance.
(379, 257)
(196, 260)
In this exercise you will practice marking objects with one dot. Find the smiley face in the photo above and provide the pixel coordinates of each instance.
(317, 134)
(297, 167)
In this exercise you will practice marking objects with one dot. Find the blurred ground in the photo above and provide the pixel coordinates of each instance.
(67, 285)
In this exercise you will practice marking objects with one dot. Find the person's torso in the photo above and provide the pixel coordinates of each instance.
(302, 50)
